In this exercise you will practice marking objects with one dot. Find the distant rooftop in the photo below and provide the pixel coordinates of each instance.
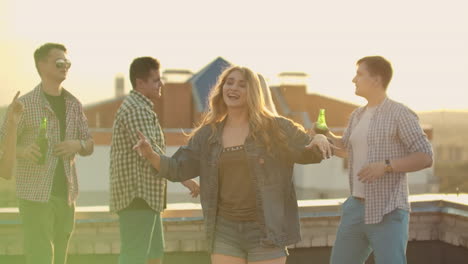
(176, 75)
(293, 78)
(295, 74)
(203, 81)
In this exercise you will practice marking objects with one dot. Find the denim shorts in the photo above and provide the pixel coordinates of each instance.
(243, 240)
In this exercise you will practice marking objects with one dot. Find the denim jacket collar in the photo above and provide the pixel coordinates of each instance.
(217, 137)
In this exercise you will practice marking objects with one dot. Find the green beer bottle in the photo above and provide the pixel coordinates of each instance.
(42, 141)
(321, 126)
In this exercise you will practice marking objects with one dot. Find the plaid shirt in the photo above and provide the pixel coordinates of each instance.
(394, 132)
(33, 181)
(131, 176)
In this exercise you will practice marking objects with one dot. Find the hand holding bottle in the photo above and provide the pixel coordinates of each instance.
(322, 143)
(320, 127)
(37, 151)
(31, 152)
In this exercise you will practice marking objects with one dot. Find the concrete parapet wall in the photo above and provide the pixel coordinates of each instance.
(434, 218)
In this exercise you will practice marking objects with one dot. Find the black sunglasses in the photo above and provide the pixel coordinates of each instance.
(62, 63)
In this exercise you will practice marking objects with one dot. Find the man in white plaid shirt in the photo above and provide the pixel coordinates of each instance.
(137, 195)
(383, 141)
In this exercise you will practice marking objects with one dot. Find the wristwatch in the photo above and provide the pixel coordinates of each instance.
(83, 145)
(388, 166)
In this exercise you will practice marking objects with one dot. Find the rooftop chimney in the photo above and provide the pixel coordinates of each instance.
(176, 75)
(119, 85)
(293, 78)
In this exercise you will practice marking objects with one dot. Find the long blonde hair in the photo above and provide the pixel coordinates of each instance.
(262, 121)
(270, 105)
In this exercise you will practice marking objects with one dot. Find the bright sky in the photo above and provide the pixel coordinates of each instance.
(427, 42)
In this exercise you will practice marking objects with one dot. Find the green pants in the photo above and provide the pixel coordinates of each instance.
(47, 228)
(141, 236)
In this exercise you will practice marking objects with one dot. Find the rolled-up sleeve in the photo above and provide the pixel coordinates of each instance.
(83, 129)
(411, 133)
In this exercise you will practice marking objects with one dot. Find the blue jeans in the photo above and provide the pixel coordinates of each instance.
(355, 240)
(141, 236)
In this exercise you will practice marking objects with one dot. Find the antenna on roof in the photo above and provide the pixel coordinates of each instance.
(119, 85)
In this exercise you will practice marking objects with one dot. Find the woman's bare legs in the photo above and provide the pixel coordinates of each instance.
(270, 261)
(224, 259)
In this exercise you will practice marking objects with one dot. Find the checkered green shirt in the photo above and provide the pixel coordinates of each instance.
(131, 176)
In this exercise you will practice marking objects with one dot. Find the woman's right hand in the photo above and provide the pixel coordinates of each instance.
(143, 147)
(193, 186)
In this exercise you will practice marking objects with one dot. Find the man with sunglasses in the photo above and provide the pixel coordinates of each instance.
(47, 192)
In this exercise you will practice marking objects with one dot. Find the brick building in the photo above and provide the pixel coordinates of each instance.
(184, 99)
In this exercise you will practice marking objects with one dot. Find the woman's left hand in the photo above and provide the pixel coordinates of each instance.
(321, 142)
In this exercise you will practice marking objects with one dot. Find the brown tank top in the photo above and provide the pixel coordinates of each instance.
(237, 198)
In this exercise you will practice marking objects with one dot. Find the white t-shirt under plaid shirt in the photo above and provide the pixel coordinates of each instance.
(131, 176)
(394, 132)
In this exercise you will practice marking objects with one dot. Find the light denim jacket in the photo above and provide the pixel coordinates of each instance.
(277, 210)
